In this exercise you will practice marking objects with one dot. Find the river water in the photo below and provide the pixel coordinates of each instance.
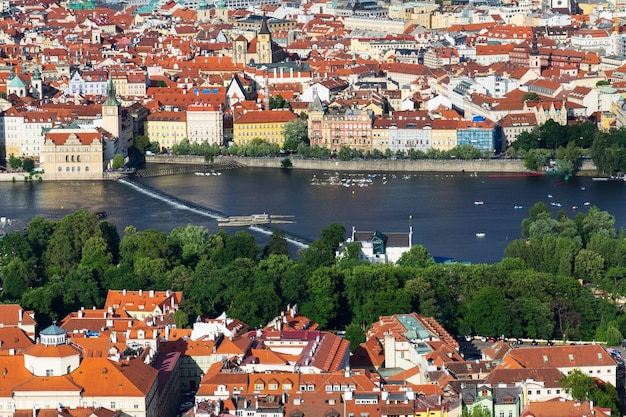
(440, 208)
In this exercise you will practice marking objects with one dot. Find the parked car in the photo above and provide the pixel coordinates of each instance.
(491, 340)
(469, 338)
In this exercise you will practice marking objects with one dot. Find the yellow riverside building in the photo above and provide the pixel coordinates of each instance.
(167, 127)
(266, 125)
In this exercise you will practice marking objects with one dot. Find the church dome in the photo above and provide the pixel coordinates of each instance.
(52, 336)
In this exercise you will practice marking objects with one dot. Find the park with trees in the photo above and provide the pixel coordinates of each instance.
(560, 280)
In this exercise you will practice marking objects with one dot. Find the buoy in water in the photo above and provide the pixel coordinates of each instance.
(62, 207)
(410, 217)
(352, 192)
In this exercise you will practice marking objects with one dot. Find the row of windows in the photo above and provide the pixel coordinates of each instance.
(73, 169)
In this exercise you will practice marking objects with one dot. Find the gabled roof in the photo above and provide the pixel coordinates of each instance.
(10, 315)
(561, 356)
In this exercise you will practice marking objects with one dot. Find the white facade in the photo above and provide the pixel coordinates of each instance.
(205, 124)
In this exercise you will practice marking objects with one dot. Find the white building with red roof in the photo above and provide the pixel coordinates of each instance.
(73, 154)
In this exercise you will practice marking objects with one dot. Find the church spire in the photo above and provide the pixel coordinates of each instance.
(111, 100)
(265, 30)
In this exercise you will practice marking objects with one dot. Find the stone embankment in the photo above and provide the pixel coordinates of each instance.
(399, 165)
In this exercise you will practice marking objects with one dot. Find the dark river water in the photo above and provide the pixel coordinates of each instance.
(441, 208)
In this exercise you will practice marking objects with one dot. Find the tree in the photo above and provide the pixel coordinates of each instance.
(585, 388)
(118, 162)
(295, 132)
(278, 102)
(355, 335)
(475, 411)
(286, 163)
(417, 257)
(14, 162)
(613, 336)
(602, 83)
(16, 278)
(536, 158)
(256, 307)
(181, 318)
(65, 246)
(161, 83)
(324, 289)
(28, 165)
(277, 245)
(190, 244)
(530, 97)
(142, 143)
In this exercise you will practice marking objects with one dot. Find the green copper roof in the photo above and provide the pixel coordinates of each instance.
(111, 100)
(16, 83)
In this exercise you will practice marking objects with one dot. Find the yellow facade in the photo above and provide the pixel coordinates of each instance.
(264, 125)
(444, 139)
(271, 132)
(166, 128)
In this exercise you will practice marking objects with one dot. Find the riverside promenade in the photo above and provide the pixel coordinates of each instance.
(398, 165)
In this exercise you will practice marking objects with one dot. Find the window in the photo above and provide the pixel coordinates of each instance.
(112, 405)
(538, 392)
(258, 387)
(273, 387)
(49, 372)
(287, 387)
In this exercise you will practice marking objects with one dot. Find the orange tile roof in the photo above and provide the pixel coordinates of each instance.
(48, 383)
(13, 338)
(12, 373)
(267, 116)
(143, 300)
(561, 356)
(60, 351)
(10, 315)
(103, 377)
(561, 408)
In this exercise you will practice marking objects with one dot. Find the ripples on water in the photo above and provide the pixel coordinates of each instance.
(439, 208)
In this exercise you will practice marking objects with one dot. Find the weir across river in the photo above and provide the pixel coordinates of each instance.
(175, 169)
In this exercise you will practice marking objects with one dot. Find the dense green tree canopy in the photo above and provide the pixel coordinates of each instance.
(544, 288)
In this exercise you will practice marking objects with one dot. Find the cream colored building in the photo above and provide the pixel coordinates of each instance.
(443, 134)
(205, 123)
(24, 135)
(73, 154)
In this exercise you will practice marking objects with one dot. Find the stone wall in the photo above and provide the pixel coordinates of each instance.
(402, 165)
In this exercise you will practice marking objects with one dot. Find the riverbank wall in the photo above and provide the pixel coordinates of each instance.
(399, 165)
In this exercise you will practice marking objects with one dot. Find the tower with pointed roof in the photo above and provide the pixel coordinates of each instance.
(315, 120)
(264, 43)
(36, 84)
(111, 112)
(534, 57)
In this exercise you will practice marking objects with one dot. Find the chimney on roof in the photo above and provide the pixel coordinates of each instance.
(20, 315)
(151, 293)
(140, 292)
(124, 291)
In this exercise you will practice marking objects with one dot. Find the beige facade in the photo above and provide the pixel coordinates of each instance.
(205, 124)
(73, 154)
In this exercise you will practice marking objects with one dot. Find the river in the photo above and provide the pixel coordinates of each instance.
(440, 208)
